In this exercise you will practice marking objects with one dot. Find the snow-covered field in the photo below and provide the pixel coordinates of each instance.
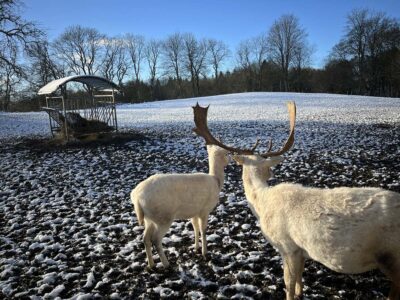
(67, 227)
(234, 107)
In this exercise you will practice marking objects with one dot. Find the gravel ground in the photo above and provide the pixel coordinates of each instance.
(68, 230)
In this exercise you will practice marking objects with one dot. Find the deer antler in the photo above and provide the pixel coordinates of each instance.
(290, 140)
(200, 119)
(201, 129)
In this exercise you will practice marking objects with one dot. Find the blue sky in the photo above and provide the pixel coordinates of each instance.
(231, 21)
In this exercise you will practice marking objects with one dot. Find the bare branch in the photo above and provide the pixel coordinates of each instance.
(136, 46)
(80, 49)
(285, 38)
(16, 35)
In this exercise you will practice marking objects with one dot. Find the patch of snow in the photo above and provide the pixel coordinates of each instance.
(55, 292)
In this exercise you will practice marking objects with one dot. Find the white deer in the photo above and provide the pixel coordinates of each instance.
(349, 230)
(162, 198)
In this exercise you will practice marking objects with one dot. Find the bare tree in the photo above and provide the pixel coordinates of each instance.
(303, 56)
(136, 45)
(201, 62)
(80, 49)
(152, 54)
(122, 65)
(190, 44)
(259, 48)
(285, 37)
(44, 66)
(111, 48)
(244, 60)
(243, 54)
(383, 36)
(195, 59)
(16, 34)
(115, 65)
(219, 51)
(338, 52)
(356, 42)
(173, 48)
(9, 78)
(370, 43)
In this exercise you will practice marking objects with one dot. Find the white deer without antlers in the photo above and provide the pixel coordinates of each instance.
(349, 230)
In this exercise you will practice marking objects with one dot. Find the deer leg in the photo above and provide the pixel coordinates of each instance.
(394, 293)
(158, 234)
(299, 281)
(203, 227)
(390, 266)
(195, 222)
(147, 236)
(291, 267)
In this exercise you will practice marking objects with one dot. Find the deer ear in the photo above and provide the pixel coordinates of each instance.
(239, 159)
(273, 161)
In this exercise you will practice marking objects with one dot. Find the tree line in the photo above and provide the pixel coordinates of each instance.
(365, 61)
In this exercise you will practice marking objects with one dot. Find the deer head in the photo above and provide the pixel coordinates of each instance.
(201, 129)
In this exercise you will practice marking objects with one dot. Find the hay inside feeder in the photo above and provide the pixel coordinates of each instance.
(81, 128)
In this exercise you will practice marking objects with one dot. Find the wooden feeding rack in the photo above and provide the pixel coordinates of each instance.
(80, 114)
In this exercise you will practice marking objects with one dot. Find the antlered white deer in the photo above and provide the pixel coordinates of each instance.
(349, 230)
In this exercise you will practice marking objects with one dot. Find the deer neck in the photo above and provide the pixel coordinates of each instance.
(216, 170)
(254, 186)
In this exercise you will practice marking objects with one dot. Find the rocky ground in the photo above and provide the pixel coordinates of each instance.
(68, 230)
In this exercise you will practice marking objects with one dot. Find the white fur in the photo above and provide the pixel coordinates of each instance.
(349, 230)
(162, 198)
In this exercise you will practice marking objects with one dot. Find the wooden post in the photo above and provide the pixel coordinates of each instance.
(115, 111)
